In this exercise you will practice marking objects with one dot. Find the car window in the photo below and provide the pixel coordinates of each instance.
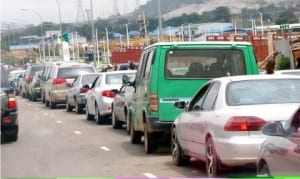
(35, 69)
(4, 79)
(274, 91)
(88, 79)
(198, 99)
(211, 97)
(204, 63)
(72, 72)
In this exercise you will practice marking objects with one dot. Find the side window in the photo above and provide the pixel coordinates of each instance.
(197, 101)
(149, 64)
(211, 97)
(76, 81)
(143, 67)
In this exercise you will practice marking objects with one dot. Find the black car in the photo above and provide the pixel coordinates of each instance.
(9, 110)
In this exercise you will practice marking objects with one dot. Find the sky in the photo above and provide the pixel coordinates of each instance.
(48, 10)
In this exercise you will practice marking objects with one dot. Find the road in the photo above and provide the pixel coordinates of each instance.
(56, 143)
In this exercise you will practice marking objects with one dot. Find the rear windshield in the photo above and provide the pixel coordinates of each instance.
(116, 79)
(272, 91)
(35, 69)
(89, 79)
(73, 72)
(204, 63)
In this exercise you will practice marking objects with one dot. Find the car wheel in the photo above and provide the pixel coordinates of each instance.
(68, 106)
(78, 108)
(149, 141)
(52, 104)
(98, 118)
(212, 163)
(43, 97)
(178, 156)
(116, 124)
(135, 136)
(33, 97)
(87, 114)
(264, 170)
(128, 122)
(46, 103)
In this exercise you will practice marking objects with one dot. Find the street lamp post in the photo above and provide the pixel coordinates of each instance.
(93, 34)
(159, 20)
(127, 35)
(261, 23)
(60, 29)
(43, 41)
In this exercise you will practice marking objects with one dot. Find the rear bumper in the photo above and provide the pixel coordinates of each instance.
(58, 96)
(154, 125)
(10, 128)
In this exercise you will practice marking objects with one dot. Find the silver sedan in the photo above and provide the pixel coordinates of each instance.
(279, 154)
(222, 123)
(100, 97)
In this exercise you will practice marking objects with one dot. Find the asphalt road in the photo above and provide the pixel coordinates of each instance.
(56, 143)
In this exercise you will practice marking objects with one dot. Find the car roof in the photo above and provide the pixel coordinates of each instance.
(287, 70)
(255, 77)
(70, 64)
(120, 72)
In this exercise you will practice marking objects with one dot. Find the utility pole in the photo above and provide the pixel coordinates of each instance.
(159, 21)
(93, 34)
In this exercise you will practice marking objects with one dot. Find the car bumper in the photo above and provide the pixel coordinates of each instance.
(238, 151)
(9, 128)
(154, 125)
(58, 96)
(105, 106)
(81, 99)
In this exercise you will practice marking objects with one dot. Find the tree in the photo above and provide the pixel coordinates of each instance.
(286, 17)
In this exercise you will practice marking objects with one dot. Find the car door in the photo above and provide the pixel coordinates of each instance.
(72, 91)
(203, 112)
(90, 96)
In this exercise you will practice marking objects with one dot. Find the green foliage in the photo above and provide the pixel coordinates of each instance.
(286, 17)
(283, 63)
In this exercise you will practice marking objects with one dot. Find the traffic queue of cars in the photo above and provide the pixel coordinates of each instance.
(205, 99)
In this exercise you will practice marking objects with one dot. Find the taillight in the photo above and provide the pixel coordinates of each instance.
(108, 93)
(29, 78)
(12, 102)
(153, 99)
(37, 84)
(59, 81)
(6, 120)
(83, 90)
(244, 123)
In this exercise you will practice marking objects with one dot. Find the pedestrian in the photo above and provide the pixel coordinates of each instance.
(132, 66)
(270, 66)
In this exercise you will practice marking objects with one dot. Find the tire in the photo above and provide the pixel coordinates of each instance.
(263, 170)
(212, 161)
(177, 153)
(149, 141)
(78, 107)
(43, 97)
(98, 118)
(52, 104)
(135, 136)
(33, 97)
(116, 124)
(88, 116)
(68, 106)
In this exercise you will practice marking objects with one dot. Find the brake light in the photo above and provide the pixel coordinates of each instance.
(37, 84)
(108, 93)
(244, 123)
(59, 81)
(12, 102)
(83, 90)
(29, 78)
(153, 100)
(6, 120)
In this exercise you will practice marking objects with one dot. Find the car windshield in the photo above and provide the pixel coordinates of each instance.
(72, 72)
(36, 68)
(116, 79)
(271, 91)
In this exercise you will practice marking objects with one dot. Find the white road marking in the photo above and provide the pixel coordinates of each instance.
(46, 114)
(59, 121)
(77, 132)
(150, 175)
(28, 104)
(104, 148)
(37, 109)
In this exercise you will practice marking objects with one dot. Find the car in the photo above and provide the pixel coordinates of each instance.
(34, 87)
(59, 80)
(288, 72)
(121, 105)
(159, 84)
(279, 154)
(76, 95)
(222, 123)
(9, 110)
(99, 97)
(28, 76)
(16, 77)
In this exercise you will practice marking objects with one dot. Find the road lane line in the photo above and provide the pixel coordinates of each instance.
(37, 109)
(46, 114)
(150, 175)
(104, 148)
(59, 122)
(77, 132)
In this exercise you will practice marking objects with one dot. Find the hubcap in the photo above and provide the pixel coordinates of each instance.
(210, 158)
(174, 144)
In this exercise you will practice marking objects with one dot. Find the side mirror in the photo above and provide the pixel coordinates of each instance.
(125, 79)
(273, 129)
(21, 76)
(180, 105)
(115, 91)
(13, 84)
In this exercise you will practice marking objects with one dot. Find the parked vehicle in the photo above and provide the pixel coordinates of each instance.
(170, 72)
(99, 98)
(59, 80)
(288, 72)
(222, 123)
(9, 110)
(16, 77)
(120, 106)
(76, 95)
(28, 76)
(279, 154)
(34, 87)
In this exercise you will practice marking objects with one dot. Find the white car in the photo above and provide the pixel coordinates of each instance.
(288, 72)
(100, 97)
(222, 123)
(279, 154)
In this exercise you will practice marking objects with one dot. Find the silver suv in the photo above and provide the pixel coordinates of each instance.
(60, 79)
